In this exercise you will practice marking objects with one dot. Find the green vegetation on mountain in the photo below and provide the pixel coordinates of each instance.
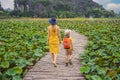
(3, 13)
(59, 8)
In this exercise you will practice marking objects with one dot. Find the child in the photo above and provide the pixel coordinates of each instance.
(68, 46)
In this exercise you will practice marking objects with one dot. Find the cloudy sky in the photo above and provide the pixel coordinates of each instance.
(7, 4)
(108, 4)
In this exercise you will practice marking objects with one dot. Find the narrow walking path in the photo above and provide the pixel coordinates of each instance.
(44, 69)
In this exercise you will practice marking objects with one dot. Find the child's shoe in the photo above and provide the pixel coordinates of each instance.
(70, 62)
(55, 65)
(66, 64)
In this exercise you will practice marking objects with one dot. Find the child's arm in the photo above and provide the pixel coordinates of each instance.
(61, 41)
(59, 35)
(71, 43)
(48, 35)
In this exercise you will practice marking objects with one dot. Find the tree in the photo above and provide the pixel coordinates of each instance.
(1, 9)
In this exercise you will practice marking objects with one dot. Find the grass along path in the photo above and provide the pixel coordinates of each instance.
(44, 69)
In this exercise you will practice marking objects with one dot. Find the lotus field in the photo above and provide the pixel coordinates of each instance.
(101, 59)
(24, 43)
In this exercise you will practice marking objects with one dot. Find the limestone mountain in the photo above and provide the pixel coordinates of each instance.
(1, 7)
(59, 8)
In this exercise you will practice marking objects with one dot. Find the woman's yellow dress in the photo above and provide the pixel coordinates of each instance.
(53, 40)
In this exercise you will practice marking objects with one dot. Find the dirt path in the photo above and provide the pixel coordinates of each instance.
(44, 69)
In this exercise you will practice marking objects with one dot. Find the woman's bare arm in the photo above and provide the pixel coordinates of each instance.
(59, 35)
(48, 35)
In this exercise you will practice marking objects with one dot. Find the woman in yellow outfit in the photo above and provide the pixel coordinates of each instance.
(54, 39)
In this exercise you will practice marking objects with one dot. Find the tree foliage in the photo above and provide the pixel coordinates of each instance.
(1, 7)
(3, 13)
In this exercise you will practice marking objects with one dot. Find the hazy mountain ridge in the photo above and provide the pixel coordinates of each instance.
(59, 8)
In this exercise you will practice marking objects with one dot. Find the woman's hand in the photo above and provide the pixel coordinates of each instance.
(61, 42)
(47, 42)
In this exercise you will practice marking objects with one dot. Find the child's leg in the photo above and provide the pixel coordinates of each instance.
(70, 57)
(67, 56)
(70, 54)
(66, 59)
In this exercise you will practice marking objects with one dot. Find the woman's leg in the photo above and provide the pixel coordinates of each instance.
(55, 60)
(52, 57)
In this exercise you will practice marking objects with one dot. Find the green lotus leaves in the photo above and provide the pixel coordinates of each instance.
(25, 43)
(22, 62)
(103, 49)
(85, 69)
(107, 78)
(5, 64)
(96, 77)
(20, 48)
(17, 78)
(101, 71)
(14, 71)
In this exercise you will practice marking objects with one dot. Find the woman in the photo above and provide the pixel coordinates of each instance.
(54, 39)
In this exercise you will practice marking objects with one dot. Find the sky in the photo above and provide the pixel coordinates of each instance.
(110, 4)
(107, 4)
(7, 4)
